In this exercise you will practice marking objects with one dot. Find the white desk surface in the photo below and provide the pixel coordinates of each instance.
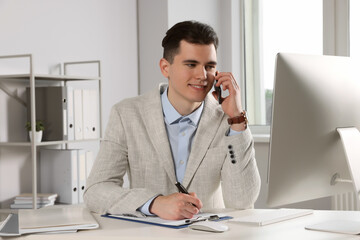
(290, 229)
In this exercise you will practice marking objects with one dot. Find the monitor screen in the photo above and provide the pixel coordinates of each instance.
(313, 96)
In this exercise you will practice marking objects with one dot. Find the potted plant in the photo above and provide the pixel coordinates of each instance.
(39, 130)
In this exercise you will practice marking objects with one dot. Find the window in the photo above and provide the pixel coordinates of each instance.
(273, 26)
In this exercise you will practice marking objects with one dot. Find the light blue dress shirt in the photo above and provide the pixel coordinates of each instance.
(181, 131)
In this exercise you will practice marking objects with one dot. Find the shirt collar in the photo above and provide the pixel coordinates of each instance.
(172, 116)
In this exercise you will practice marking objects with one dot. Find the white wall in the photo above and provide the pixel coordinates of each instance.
(55, 32)
(153, 23)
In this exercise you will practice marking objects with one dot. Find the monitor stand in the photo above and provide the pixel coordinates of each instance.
(350, 138)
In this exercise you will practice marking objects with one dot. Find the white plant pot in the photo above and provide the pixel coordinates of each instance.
(38, 136)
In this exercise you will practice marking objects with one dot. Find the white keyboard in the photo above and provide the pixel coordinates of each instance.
(272, 216)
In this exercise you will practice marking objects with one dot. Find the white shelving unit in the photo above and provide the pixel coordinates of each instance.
(33, 78)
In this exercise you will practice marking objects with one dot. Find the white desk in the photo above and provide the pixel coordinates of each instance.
(291, 229)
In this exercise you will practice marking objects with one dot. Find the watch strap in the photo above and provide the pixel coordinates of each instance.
(238, 119)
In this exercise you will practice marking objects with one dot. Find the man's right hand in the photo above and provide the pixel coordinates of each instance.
(176, 206)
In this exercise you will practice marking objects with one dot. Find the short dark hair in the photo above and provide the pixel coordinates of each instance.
(190, 31)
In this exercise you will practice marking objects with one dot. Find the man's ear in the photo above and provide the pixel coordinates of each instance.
(164, 67)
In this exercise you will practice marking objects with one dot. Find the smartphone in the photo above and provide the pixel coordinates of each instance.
(218, 91)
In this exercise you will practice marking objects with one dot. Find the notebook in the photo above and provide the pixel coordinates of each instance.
(169, 223)
(47, 220)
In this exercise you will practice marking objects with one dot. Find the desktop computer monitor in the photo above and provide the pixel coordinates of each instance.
(313, 97)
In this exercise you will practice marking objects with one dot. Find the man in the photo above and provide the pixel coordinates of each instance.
(178, 133)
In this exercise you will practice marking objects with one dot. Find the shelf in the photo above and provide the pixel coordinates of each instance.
(28, 144)
(48, 77)
(31, 79)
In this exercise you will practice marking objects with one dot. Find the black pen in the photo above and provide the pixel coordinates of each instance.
(182, 189)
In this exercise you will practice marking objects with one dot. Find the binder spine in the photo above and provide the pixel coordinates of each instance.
(81, 174)
(74, 180)
(78, 115)
(59, 174)
(69, 114)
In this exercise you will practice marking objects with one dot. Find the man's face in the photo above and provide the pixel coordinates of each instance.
(191, 75)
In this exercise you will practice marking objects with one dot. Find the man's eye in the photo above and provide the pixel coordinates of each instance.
(191, 65)
(210, 67)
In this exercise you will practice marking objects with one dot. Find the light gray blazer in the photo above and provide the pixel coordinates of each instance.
(221, 169)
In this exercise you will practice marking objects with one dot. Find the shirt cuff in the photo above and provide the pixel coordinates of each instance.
(145, 208)
(231, 132)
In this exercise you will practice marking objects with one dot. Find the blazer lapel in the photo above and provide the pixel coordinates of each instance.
(208, 126)
(154, 122)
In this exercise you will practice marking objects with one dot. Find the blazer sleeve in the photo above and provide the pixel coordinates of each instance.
(104, 192)
(240, 176)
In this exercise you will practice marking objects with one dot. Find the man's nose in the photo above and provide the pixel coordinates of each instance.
(201, 73)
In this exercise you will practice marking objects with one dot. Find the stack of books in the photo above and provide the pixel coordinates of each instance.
(25, 200)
